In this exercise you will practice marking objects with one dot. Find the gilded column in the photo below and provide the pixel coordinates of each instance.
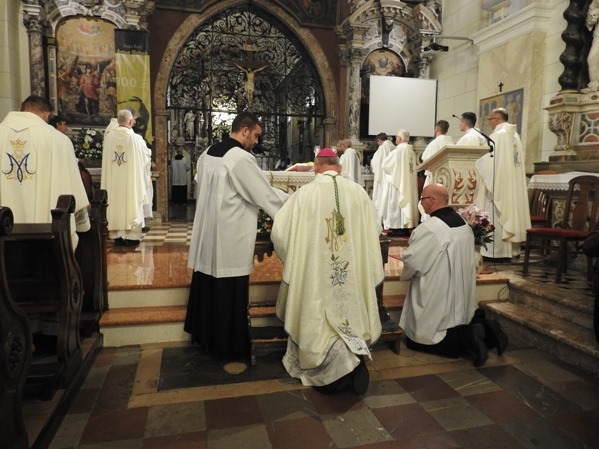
(35, 27)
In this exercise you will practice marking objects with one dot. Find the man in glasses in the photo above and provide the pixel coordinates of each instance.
(502, 189)
(441, 300)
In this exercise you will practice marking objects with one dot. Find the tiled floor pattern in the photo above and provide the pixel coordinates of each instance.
(524, 399)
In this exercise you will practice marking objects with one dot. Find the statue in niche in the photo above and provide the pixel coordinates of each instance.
(593, 57)
(250, 73)
(189, 123)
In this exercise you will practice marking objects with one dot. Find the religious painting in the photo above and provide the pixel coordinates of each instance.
(321, 13)
(86, 71)
(512, 101)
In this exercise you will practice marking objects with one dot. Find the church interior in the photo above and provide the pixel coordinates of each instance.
(129, 377)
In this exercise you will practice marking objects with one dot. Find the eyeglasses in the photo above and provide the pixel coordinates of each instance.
(422, 198)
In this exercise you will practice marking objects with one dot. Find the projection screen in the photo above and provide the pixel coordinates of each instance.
(402, 103)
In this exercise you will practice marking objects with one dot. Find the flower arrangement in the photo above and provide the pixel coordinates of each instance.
(480, 224)
(88, 143)
(264, 223)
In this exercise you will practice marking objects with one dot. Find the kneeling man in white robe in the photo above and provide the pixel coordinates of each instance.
(327, 235)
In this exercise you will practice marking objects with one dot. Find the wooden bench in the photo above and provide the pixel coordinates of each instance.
(44, 280)
(15, 353)
(272, 336)
(91, 257)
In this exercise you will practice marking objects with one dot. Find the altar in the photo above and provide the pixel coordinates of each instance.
(290, 181)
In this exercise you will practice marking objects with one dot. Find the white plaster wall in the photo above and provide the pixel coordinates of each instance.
(10, 79)
(459, 69)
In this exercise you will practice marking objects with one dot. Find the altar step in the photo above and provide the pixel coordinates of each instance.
(547, 319)
(143, 316)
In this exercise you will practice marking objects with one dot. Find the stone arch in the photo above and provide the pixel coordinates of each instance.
(178, 40)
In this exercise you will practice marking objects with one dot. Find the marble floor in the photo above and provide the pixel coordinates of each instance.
(525, 398)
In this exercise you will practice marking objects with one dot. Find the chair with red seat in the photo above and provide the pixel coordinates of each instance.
(580, 212)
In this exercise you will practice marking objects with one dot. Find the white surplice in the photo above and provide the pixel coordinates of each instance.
(471, 138)
(124, 158)
(439, 262)
(399, 202)
(231, 190)
(351, 168)
(147, 154)
(38, 165)
(327, 299)
(376, 164)
(505, 200)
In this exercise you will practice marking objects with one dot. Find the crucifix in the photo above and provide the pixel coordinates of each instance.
(250, 66)
(500, 87)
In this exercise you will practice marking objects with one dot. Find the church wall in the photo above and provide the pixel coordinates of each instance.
(525, 55)
(12, 90)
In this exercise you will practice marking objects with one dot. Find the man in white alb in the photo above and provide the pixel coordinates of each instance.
(180, 167)
(124, 159)
(351, 168)
(231, 190)
(441, 300)
(327, 235)
(385, 146)
(399, 203)
(503, 190)
(471, 136)
(38, 165)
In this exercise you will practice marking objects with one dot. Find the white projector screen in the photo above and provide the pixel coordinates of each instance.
(402, 103)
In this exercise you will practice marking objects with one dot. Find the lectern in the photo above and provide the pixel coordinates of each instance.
(453, 166)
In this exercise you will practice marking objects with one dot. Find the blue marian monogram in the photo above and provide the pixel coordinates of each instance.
(19, 168)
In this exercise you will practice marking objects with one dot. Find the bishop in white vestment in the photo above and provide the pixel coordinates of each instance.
(503, 190)
(327, 235)
(123, 177)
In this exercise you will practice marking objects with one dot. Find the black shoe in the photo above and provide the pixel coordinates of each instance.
(481, 353)
(119, 242)
(494, 336)
(145, 229)
(360, 378)
(132, 242)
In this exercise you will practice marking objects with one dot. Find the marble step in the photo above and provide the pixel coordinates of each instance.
(576, 307)
(566, 340)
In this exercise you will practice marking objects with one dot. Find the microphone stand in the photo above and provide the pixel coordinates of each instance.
(490, 141)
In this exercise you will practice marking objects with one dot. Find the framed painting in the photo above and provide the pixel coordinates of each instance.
(86, 71)
(512, 101)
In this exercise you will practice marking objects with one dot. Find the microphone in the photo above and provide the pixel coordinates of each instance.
(490, 141)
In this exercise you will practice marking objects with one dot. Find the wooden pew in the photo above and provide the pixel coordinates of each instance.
(15, 353)
(45, 281)
(91, 257)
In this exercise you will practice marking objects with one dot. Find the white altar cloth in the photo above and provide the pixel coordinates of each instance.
(557, 181)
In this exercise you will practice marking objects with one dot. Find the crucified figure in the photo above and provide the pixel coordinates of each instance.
(250, 72)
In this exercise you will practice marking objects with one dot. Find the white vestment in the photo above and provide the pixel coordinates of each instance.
(399, 202)
(351, 168)
(506, 200)
(471, 138)
(180, 171)
(231, 190)
(376, 164)
(124, 158)
(38, 165)
(147, 161)
(439, 263)
(112, 125)
(327, 299)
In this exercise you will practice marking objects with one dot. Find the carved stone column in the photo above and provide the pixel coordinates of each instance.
(355, 94)
(35, 24)
(571, 58)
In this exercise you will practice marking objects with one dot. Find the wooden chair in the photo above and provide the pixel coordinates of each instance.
(580, 212)
(540, 210)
